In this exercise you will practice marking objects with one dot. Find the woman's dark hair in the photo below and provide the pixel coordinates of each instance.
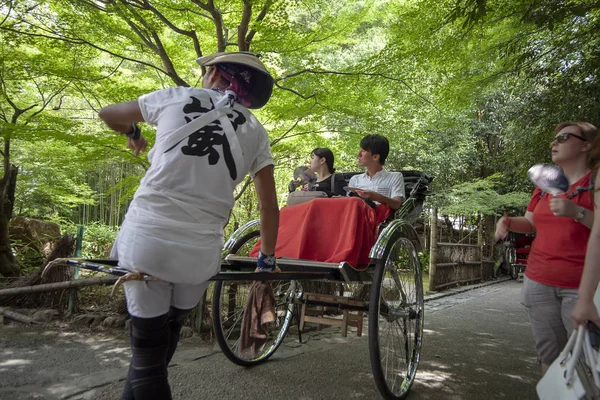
(324, 152)
(376, 144)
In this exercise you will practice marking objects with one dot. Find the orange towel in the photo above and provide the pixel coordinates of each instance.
(258, 314)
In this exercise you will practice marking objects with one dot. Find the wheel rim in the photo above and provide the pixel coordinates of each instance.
(400, 321)
(232, 302)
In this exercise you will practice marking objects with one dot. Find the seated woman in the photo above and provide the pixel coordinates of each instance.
(321, 163)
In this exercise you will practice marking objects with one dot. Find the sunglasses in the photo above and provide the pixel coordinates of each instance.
(562, 137)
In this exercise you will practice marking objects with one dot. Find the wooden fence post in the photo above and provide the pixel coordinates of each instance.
(425, 244)
(480, 243)
(72, 306)
(433, 249)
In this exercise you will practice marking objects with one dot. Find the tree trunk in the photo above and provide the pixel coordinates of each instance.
(8, 184)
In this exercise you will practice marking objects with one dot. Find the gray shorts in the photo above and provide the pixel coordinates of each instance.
(151, 299)
(549, 309)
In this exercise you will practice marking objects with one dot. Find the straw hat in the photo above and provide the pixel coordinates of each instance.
(262, 83)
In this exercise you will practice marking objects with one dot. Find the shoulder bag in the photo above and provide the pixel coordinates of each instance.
(300, 197)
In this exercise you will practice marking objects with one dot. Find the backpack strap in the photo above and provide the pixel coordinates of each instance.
(578, 189)
(581, 189)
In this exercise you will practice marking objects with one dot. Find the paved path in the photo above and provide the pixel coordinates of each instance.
(477, 345)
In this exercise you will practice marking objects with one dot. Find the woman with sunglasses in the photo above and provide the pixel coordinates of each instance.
(562, 227)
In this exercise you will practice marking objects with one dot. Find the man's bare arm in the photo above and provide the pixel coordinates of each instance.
(119, 117)
(269, 209)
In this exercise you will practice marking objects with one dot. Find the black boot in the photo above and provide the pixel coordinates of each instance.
(176, 319)
(147, 377)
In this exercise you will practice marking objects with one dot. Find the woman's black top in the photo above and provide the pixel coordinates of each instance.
(338, 186)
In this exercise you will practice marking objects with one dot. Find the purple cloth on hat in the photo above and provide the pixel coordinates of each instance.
(238, 79)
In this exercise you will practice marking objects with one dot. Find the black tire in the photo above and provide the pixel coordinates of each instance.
(228, 304)
(511, 259)
(514, 272)
(396, 309)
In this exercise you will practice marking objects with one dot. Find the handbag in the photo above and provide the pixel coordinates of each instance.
(574, 374)
(300, 197)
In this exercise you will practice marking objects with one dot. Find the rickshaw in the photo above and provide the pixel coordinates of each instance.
(395, 307)
(516, 252)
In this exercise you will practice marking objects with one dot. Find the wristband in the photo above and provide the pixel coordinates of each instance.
(508, 223)
(135, 132)
(266, 262)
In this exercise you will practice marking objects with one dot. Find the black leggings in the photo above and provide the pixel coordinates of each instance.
(153, 343)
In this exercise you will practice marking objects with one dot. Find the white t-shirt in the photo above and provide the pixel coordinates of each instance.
(388, 184)
(199, 170)
(173, 229)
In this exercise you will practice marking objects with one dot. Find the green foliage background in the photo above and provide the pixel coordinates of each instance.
(468, 91)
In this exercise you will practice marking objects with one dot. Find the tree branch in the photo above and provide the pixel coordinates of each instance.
(78, 41)
(280, 138)
(185, 9)
(167, 63)
(295, 92)
(84, 95)
(243, 26)
(146, 38)
(46, 102)
(375, 74)
(10, 6)
(94, 4)
(217, 18)
(191, 34)
(243, 189)
(260, 17)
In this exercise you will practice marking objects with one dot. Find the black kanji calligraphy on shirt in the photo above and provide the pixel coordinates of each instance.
(201, 142)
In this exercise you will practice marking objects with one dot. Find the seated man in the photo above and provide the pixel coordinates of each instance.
(377, 184)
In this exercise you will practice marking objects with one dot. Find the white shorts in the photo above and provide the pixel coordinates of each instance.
(171, 253)
(147, 299)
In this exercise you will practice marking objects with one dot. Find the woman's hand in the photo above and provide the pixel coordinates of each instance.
(137, 146)
(563, 208)
(585, 311)
(502, 227)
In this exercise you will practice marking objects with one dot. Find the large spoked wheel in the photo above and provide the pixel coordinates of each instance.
(228, 304)
(396, 318)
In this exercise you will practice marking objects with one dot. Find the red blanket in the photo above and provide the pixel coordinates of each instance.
(329, 230)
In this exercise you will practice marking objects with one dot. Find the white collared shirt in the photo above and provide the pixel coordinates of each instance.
(386, 183)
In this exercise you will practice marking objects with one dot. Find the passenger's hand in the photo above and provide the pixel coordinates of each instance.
(585, 311)
(137, 146)
(502, 227)
(563, 208)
